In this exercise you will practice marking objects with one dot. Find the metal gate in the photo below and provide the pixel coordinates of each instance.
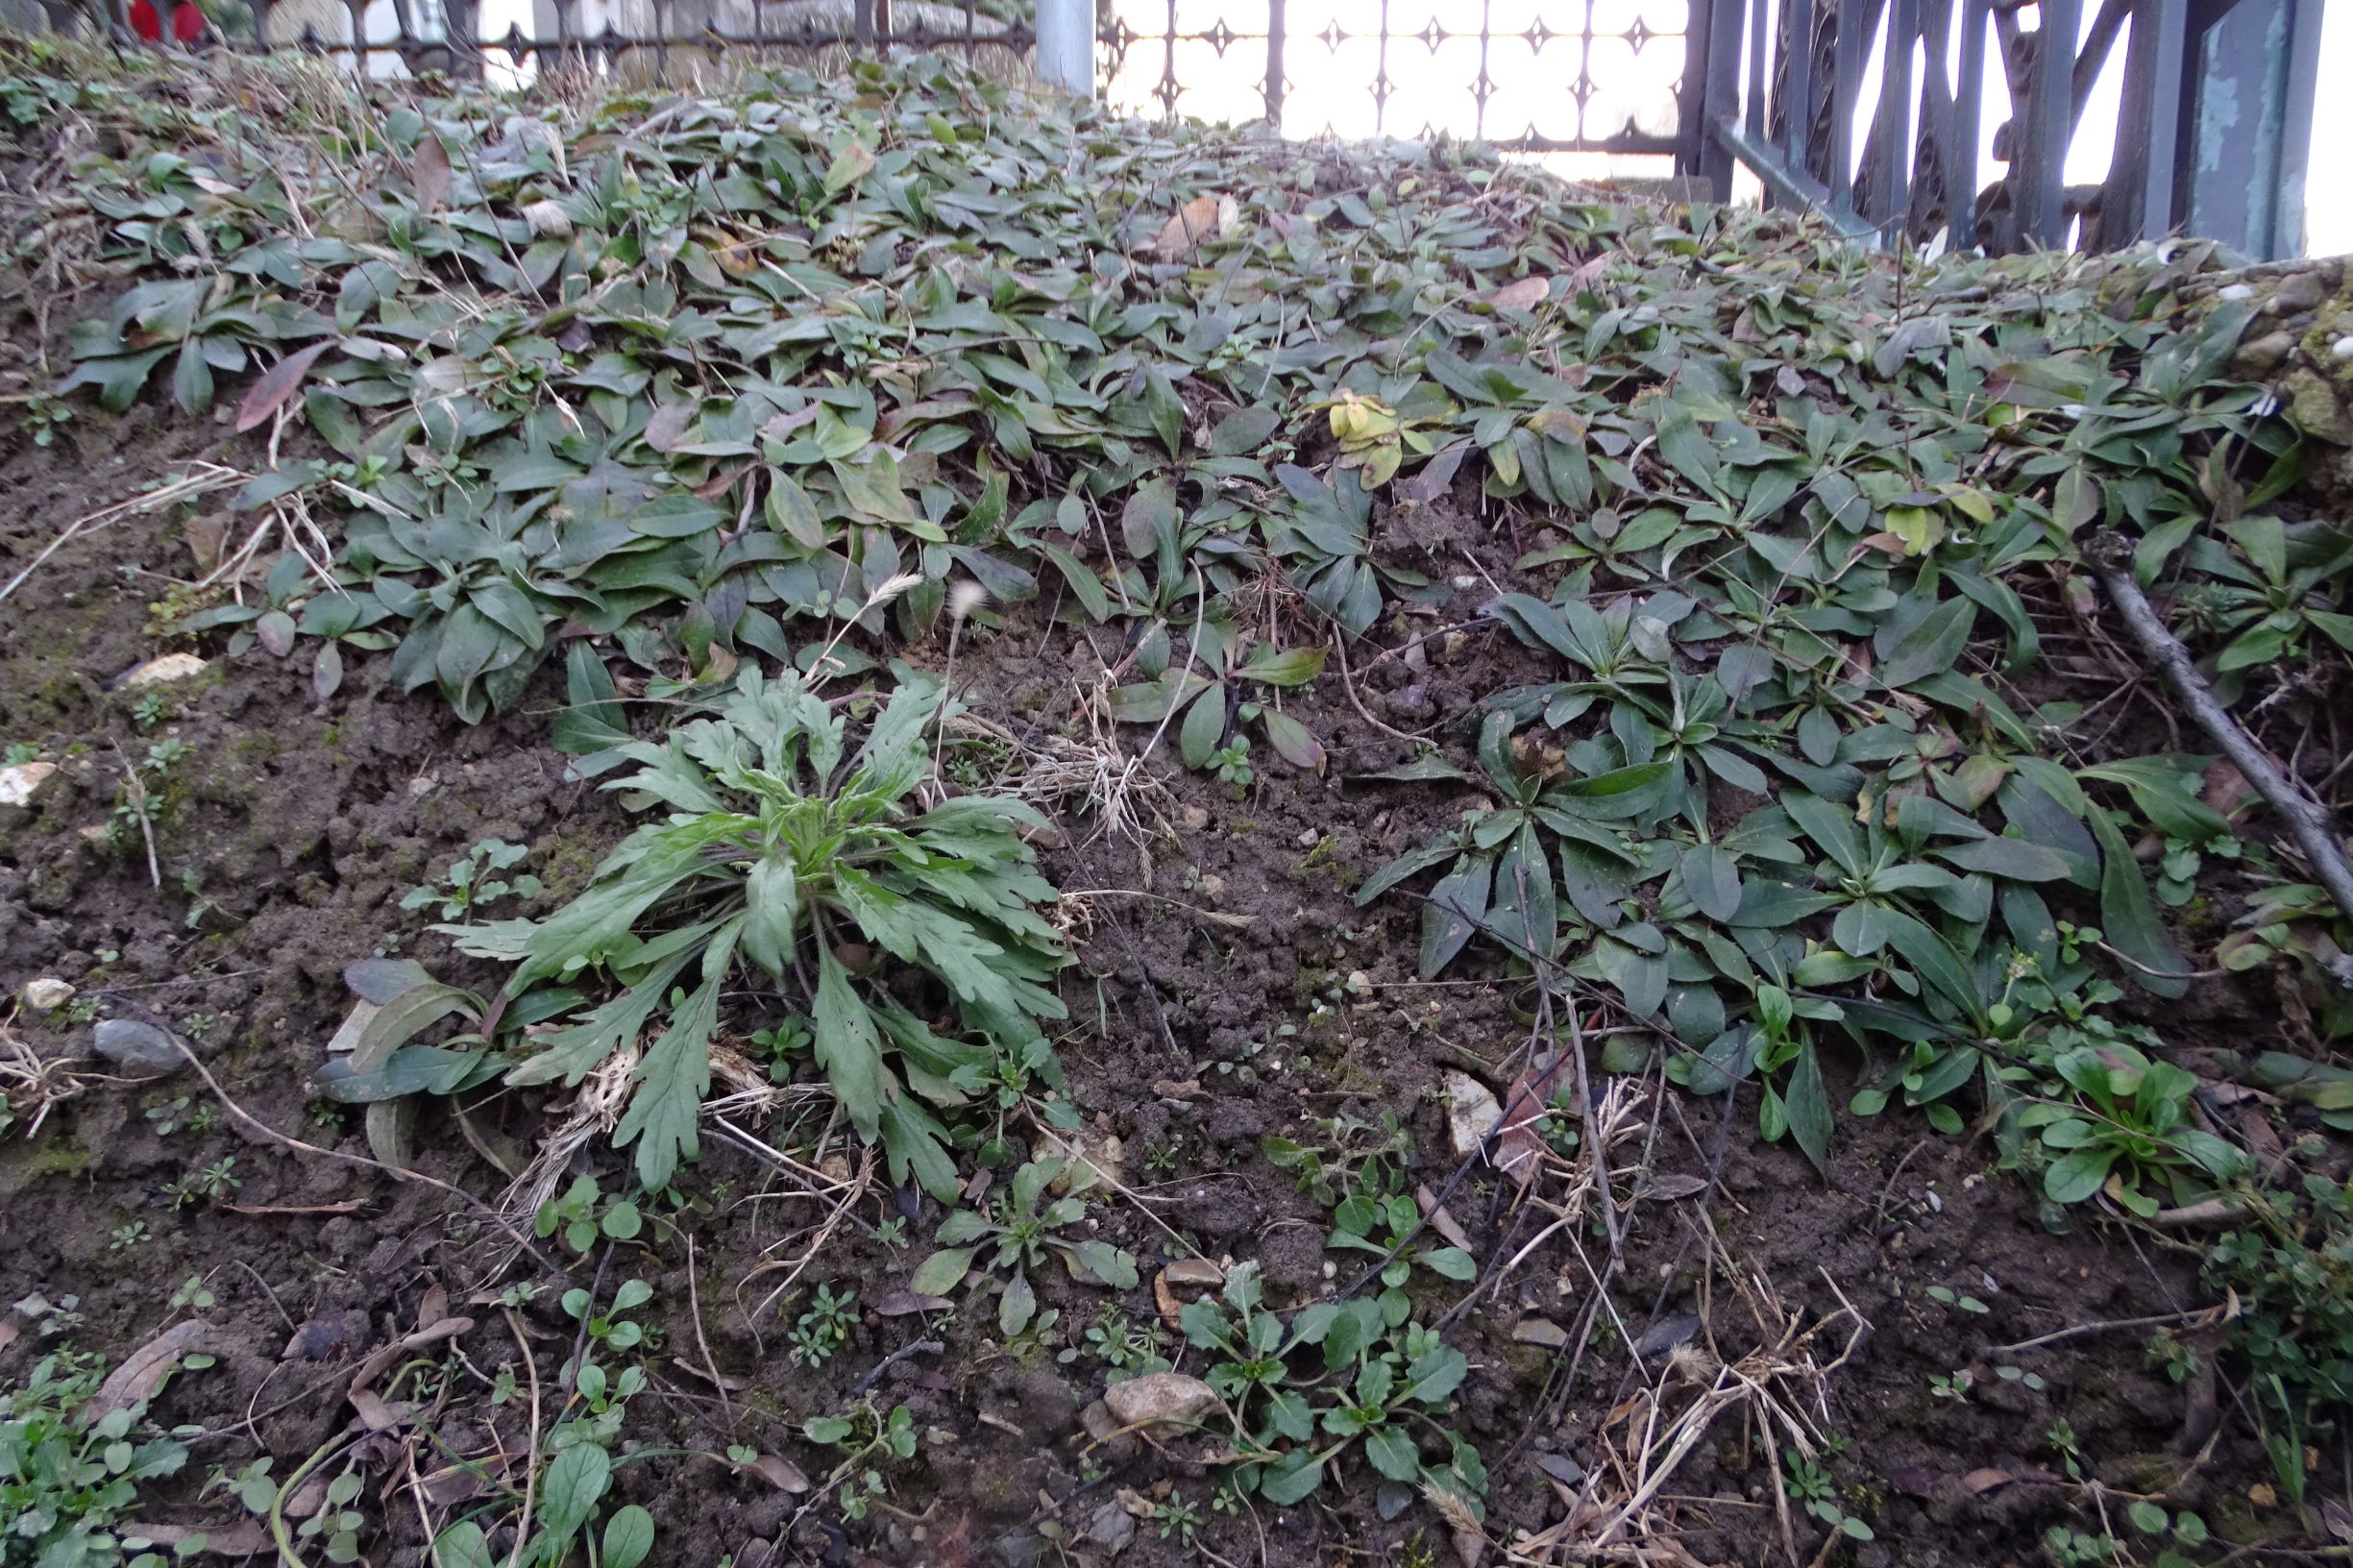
(1522, 76)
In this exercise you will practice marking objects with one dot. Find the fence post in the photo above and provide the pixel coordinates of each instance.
(1066, 44)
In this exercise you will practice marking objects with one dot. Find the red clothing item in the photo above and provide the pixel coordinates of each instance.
(187, 22)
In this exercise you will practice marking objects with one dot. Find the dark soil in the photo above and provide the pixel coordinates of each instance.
(288, 835)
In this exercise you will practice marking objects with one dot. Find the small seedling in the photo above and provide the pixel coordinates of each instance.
(1176, 1520)
(825, 1327)
(583, 1216)
(474, 880)
(1811, 1486)
(209, 1185)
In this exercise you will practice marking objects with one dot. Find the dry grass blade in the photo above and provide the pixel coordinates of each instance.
(200, 479)
(1780, 1383)
(31, 1082)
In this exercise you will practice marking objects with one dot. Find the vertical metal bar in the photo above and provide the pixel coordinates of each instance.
(1066, 44)
(1968, 104)
(861, 23)
(1380, 75)
(1168, 91)
(882, 23)
(1276, 39)
(1846, 86)
(1761, 30)
(1799, 117)
(2300, 90)
(2038, 174)
(1715, 96)
(2137, 201)
(1479, 90)
(1893, 188)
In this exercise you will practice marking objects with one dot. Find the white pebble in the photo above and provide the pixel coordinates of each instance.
(2341, 349)
(2236, 291)
(47, 994)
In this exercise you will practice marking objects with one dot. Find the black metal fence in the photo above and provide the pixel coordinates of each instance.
(1925, 120)
(1954, 118)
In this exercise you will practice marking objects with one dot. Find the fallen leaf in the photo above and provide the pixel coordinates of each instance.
(1171, 1311)
(1517, 1147)
(1471, 1113)
(429, 172)
(1197, 220)
(2226, 790)
(1982, 1482)
(780, 1473)
(144, 1369)
(666, 425)
(7, 1334)
(1195, 1271)
(242, 1539)
(378, 1415)
(1521, 294)
(386, 1359)
(1440, 1220)
(906, 1304)
(278, 383)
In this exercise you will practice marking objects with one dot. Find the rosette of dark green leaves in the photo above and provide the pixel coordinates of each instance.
(774, 856)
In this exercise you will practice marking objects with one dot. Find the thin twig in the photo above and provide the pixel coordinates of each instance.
(2309, 822)
(694, 1304)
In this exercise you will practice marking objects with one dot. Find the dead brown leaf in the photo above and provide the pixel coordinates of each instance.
(1521, 294)
(1982, 1482)
(1171, 1311)
(144, 1369)
(780, 1473)
(1441, 1221)
(1201, 219)
(2226, 790)
(277, 385)
(430, 169)
(1517, 1146)
(390, 1355)
(243, 1539)
(906, 1304)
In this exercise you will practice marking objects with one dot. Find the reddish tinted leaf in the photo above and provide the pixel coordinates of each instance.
(277, 385)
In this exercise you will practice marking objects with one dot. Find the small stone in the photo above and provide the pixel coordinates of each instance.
(19, 780)
(2235, 292)
(1112, 1527)
(1471, 1113)
(1198, 1272)
(1212, 888)
(2265, 353)
(2341, 349)
(1196, 818)
(2298, 294)
(164, 668)
(1161, 1397)
(47, 994)
(1309, 838)
(1538, 1332)
(138, 1050)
